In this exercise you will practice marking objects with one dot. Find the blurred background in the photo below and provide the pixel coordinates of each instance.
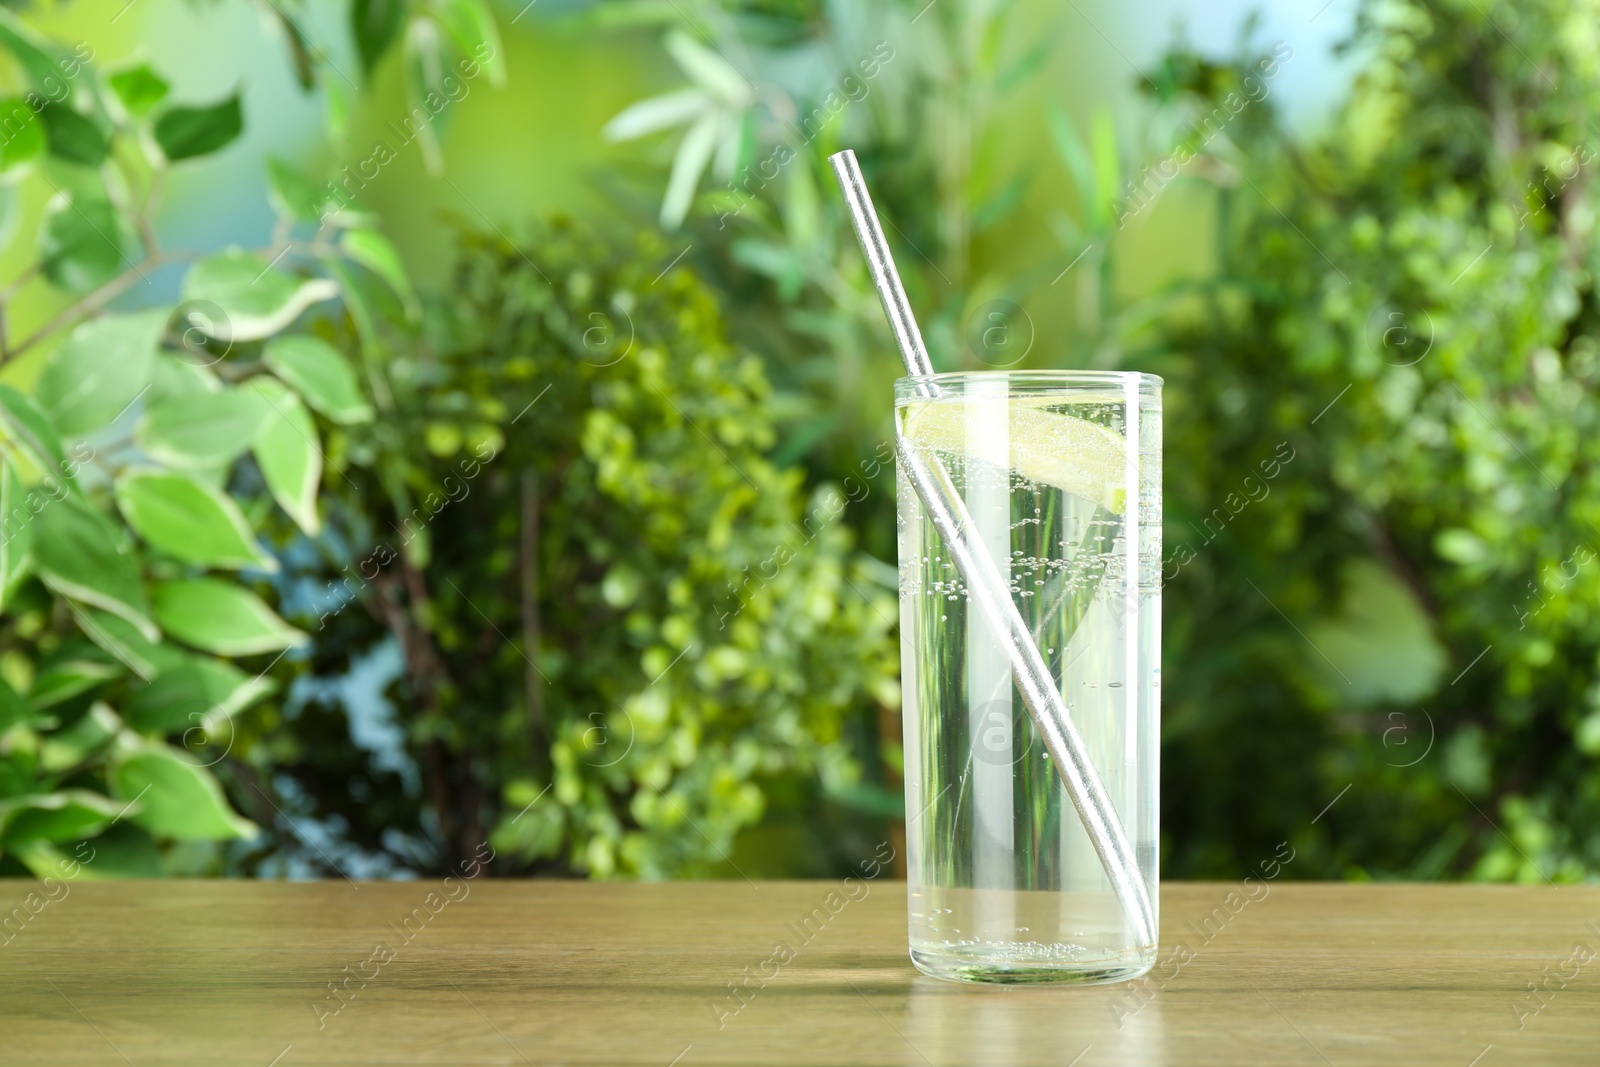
(442, 432)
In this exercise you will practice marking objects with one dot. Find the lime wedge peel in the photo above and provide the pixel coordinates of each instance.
(1081, 457)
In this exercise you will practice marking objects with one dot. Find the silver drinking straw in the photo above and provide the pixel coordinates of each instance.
(961, 536)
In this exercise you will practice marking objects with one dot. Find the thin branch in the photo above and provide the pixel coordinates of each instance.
(75, 313)
(533, 685)
(29, 273)
(141, 215)
(146, 216)
(82, 309)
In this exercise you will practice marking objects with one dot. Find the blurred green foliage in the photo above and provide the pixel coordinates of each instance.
(1377, 403)
(746, 178)
(623, 627)
(1408, 300)
(135, 473)
(590, 545)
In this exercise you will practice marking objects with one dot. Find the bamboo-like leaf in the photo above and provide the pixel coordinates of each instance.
(657, 113)
(708, 69)
(687, 166)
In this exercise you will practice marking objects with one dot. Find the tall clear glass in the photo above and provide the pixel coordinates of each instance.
(1061, 473)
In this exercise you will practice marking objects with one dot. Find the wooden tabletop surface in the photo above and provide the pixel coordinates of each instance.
(290, 974)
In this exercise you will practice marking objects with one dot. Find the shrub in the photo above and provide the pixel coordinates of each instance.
(137, 471)
(624, 629)
(1408, 301)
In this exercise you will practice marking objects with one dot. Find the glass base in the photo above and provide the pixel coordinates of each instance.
(1017, 964)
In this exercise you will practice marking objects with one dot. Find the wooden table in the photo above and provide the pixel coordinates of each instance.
(573, 973)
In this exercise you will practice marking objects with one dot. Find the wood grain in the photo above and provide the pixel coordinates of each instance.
(575, 973)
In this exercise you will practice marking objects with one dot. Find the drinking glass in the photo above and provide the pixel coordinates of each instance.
(1061, 474)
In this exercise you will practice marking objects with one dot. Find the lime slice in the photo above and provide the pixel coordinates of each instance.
(1081, 457)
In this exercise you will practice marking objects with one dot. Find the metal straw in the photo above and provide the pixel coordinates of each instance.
(945, 507)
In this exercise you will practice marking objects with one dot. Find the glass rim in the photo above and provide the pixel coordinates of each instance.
(1101, 378)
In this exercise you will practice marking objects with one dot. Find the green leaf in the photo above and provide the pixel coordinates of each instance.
(657, 113)
(83, 242)
(471, 26)
(73, 746)
(1076, 156)
(305, 69)
(1106, 155)
(293, 194)
(288, 453)
(374, 24)
(122, 639)
(99, 370)
(66, 676)
(16, 532)
(203, 431)
(338, 96)
(319, 373)
(996, 206)
(70, 815)
(25, 428)
(174, 377)
(1380, 648)
(187, 132)
(15, 711)
(1024, 68)
(33, 53)
(378, 254)
(687, 165)
(10, 215)
(257, 299)
(74, 136)
(709, 70)
(138, 89)
(189, 520)
(123, 851)
(424, 69)
(177, 799)
(220, 617)
(81, 555)
(358, 294)
(23, 137)
(192, 693)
